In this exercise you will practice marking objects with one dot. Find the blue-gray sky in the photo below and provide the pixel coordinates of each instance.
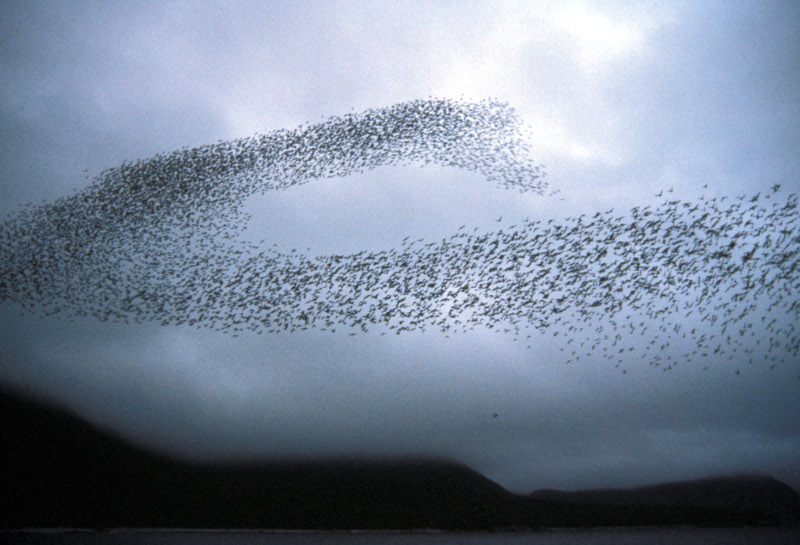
(622, 100)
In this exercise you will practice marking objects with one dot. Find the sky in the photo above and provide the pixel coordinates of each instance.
(620, 101)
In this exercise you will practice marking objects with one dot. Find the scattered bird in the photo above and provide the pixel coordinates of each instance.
(159, 240)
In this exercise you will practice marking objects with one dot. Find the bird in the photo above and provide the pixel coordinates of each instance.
(159, 240)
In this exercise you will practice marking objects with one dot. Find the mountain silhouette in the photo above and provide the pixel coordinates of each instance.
(60, 471)
(744, 493)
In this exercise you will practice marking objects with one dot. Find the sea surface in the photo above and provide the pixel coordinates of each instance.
(625, 536)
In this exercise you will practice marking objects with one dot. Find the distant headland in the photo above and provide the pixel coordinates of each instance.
(59, 471)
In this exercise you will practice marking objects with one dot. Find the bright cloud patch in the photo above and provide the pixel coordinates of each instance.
(598, 38)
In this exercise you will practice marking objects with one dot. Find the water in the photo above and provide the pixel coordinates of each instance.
(627, 536)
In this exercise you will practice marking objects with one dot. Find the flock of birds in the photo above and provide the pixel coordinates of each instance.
(159, 239)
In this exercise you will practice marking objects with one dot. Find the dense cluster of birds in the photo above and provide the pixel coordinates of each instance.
(158, 239)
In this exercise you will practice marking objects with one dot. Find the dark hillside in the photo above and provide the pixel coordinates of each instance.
(744, 494)
(59, 471)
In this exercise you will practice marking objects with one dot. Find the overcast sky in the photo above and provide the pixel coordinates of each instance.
(622, 100)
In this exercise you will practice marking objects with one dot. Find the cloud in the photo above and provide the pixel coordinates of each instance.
(599, 40)
(694, 94)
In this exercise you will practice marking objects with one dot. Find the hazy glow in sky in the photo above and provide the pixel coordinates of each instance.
(622, 101)
(600, 39)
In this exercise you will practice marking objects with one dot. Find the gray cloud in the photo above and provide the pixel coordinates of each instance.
(708, 98)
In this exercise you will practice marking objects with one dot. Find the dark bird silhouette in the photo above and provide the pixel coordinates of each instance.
(159, 240)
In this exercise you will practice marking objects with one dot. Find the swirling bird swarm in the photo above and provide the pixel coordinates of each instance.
(158, 240)
(146, 222)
